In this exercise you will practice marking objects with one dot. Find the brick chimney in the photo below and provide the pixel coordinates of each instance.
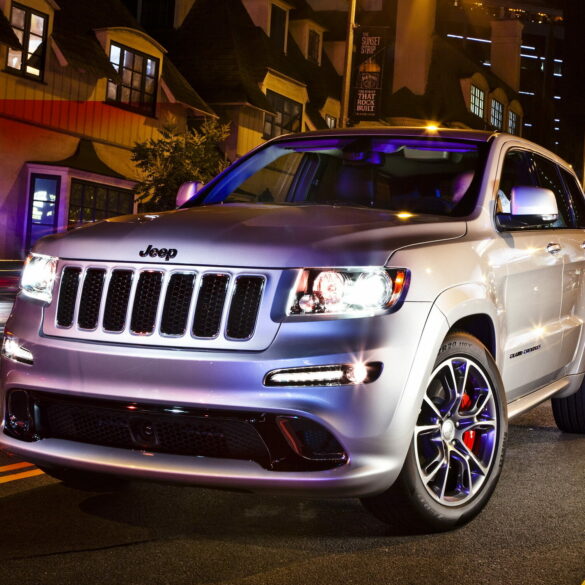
(505, 50)
(415, 26)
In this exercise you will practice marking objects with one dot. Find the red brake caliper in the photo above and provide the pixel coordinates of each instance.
(468, 436)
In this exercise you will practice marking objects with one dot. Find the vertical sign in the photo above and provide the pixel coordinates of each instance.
(370, 56)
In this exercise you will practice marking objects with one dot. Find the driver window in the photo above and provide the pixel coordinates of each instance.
(547, 173)
(516, 172)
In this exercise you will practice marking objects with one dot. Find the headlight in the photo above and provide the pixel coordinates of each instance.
(350, 291)
(38, 277)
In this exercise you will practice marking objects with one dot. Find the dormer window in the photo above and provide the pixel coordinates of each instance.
(497, 114)
(477, 101)
(136, 89)
(314, 47)
(278, 26)
(30, 27)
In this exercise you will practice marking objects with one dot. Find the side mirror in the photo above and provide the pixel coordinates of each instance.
(530, 207)
(188, 191)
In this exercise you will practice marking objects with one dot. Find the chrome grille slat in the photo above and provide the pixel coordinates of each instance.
(146, 302)
(161, 305)
(68, 296)
(178, 297)
(116, 309)
(210, 305)
(91, 298)
(244, 307)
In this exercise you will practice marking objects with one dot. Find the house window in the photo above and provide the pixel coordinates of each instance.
(512, 122)
(477, 101)
(44, 203)
(314, 50)
(137, 85)
(278, 18)
(330, 121)
(91, 202)
(287, 119)
(497, 115)
(30, 27)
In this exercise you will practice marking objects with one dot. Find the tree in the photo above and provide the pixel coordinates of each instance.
(175, 158)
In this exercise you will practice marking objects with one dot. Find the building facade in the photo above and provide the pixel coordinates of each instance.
(80, 84)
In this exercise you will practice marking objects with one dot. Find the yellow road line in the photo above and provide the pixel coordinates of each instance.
(15, 466)
(22, 475)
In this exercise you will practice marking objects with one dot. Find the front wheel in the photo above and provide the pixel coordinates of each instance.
(457, 449)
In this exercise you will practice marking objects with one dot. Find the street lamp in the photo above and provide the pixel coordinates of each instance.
(345, 90)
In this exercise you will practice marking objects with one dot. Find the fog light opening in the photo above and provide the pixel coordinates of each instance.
(12, 350)
(310, 440)
(19, 417)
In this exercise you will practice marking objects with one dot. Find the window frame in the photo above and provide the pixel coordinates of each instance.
(281, 45)
(150, 111)
(84, 184)
(497, 114)
(314, 56)
(566, 208)
(22, 71)
(331, 121)
(31, 200)
(477, 101)
(515, 127)
(273, 96)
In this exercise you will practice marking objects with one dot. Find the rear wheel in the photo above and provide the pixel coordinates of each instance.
(456, 454)
(569, 412)
(85, 480)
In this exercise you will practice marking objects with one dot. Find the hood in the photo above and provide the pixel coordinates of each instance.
(254, 236)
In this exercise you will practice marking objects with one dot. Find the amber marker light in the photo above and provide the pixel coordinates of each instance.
(404, 215)
(432, 127)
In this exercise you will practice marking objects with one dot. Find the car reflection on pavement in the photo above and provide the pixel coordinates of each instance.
(9, 279)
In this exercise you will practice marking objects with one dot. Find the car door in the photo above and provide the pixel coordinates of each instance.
(573, 242)
(533, 274)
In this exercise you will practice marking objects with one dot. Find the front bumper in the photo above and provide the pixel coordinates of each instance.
(373, 422)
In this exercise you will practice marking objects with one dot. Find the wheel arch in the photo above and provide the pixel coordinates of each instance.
(468, 308)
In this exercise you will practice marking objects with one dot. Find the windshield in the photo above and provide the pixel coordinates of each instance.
(412, 174)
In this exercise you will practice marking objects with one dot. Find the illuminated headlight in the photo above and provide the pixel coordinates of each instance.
(351, 291)
(12, 350)
(38, 277)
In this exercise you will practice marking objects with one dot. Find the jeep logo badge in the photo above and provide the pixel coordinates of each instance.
(166, 253)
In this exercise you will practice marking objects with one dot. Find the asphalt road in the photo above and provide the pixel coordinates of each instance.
(532, 531)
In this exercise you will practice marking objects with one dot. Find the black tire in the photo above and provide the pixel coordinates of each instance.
(86, 481)
(569, 412)
(461, 460)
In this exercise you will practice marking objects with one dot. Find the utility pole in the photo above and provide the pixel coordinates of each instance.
(345, 90)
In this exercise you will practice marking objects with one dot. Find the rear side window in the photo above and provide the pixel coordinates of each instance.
(576, 195)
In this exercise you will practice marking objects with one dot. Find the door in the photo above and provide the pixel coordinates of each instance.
(532, 270)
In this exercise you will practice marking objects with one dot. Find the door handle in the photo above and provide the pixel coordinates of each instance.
(553, 248)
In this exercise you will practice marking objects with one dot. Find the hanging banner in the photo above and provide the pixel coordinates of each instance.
(371, 43)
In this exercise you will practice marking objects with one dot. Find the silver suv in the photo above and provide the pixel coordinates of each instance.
(346, 313)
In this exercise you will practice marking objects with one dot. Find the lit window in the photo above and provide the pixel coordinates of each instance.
(513, 122)
(497, 114)
(91, 202)
(278, 18)
(44, 203)
(314, 51)
(287, 118)
(138, 80)
(477, 101)
(330, 121)
(30, 27)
